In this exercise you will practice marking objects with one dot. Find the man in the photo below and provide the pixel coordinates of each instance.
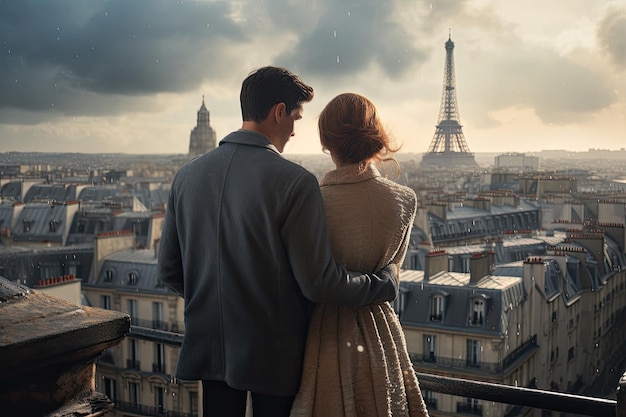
(245, 243)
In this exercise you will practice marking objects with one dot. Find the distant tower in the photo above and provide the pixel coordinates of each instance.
(202, 138)
(448, 150)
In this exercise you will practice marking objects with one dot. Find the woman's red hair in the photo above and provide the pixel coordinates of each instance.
(350, 129)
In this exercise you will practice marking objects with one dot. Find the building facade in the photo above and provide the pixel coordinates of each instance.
(138, 374)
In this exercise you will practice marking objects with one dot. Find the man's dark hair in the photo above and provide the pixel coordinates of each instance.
(268, 86)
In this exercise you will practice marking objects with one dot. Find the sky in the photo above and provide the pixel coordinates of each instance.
(129, 76)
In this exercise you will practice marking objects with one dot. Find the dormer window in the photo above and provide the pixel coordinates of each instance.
(478, 312)
(108, 275)
(132, 278)
(27, 225)
(399, 304)
(436, 307)
(53, 225)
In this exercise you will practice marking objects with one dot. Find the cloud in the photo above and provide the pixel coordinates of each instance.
(351, 37)
(611, 35)
(56, 52)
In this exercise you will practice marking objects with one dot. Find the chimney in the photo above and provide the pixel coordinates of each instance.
(593, 241)
(108, 243)
(481, 266)
(616, 232)
(436, 261)
(438, 209)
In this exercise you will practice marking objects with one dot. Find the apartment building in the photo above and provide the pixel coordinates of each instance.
(138, 374)
(553, 322)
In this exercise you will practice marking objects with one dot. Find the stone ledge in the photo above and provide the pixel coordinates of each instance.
(48, 347)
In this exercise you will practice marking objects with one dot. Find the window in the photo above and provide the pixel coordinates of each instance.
(105, 302)
(399, 304)
(193, 402)
(478, 312)
(430, 348)
(133, 354)
(131, 310)
(132, 278)
(470, 406)
(27, 226)
(157, 316)
(466, 265)
(110, 388)
(72, 268)
(159, 400)
(159, 358)
(473, 353)
(133, 393)
(48, 270)
(53, 226)
(436, 311)
(108, 275)
(429, 399)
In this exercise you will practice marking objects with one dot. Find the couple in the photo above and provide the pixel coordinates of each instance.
(261, 257)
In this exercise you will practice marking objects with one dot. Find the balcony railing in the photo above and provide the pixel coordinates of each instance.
(460, 364)
(429, 357)
(106, 357)
(159, 325)
(520, 351)
(431, 403)
(488, 367)
(132, 364)
(130, 407)
(473, 409)
(158, 368)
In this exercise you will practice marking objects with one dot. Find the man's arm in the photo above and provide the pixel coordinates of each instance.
(308, 246)
(170, 261)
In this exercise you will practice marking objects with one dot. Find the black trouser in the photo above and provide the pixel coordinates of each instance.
(220, 400)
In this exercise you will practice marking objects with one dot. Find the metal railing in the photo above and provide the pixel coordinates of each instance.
(527, 397)
(133, 364)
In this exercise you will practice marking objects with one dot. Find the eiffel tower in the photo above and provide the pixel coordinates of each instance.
(448, 149)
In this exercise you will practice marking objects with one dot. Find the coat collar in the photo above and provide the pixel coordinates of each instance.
(350, 174)
(250, 138)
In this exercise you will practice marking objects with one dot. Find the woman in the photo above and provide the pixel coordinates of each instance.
(356, 361)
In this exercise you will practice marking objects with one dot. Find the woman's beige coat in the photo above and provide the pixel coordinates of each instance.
(356, 361)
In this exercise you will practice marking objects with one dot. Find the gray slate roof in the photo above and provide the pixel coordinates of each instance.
(500, 293)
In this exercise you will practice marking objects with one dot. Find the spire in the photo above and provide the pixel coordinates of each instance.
(203, 137)
(203, 114)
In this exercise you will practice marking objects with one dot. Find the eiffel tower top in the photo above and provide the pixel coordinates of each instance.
(449, 141)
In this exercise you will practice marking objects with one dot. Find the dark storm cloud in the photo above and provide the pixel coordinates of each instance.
(351, 35)
(54, 52)
(612, 36)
